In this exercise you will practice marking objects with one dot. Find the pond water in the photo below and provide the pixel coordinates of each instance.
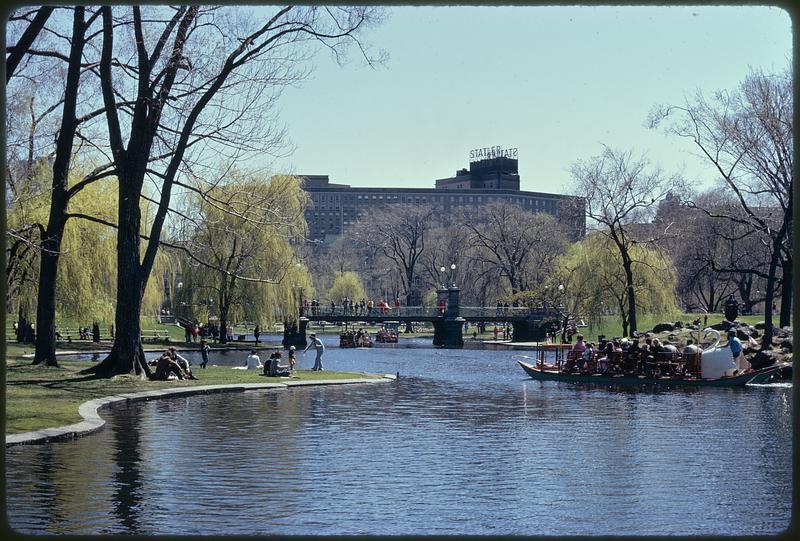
(464, 443)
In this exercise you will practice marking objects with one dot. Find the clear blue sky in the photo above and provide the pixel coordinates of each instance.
(555, 82)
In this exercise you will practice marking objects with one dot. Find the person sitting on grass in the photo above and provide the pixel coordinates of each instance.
(253, 361)
(268, 363)
(183, 362)
(276, 369)
(165, 365)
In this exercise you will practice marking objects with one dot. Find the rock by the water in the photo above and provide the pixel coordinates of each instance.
(786, 344)
(662, 327)
(764, 358)
(724, 325)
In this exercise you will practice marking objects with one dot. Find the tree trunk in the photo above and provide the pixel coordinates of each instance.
(786, 294)
(51, 243)
(223, 322)
(766, 340)
(46, 298)
(127, 355)
(626, 264)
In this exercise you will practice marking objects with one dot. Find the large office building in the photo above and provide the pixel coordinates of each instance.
(492, 176)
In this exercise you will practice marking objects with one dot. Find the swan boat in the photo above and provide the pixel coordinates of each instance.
(717, 368)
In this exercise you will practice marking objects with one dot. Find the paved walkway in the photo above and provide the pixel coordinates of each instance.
(92, 422)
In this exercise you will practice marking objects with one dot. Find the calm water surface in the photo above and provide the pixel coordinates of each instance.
(463, 443)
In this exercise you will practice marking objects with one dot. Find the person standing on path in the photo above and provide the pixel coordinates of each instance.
(204, 349)
(319, 346)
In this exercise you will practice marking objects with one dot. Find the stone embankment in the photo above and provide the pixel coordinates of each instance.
(92, 421)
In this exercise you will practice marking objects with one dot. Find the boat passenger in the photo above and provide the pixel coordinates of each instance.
(580, 345)
(587, 356)
(691, 357)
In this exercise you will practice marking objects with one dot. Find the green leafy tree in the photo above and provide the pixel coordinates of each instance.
(346, 284)
(238, 250)
(595, 281)
(747, 135)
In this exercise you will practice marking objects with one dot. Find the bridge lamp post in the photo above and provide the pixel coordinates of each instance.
(453, 275)
(441, 276)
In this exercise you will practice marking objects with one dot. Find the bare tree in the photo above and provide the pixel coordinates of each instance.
(188, 104)
(399, 233)
(714, 258)
(18, 51)
(620, 193)
(747, 135)
(519, 245)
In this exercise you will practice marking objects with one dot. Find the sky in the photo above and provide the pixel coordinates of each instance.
(554, 82)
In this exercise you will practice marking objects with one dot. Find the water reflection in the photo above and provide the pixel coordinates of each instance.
(127, 496)
(463, 443)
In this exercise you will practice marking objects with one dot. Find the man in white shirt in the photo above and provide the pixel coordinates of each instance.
(253, 361)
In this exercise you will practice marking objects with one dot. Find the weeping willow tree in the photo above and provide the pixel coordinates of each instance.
(346, 284)
(86, 281)
(597, 281)
(27, 200)
(239, 253)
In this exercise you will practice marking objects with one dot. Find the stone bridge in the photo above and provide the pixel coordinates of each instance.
(448, 319)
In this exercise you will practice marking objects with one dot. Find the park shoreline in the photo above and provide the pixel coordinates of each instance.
(92, 421)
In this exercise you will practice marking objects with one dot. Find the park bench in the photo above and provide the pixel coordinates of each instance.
(68, 335)
(155, 335)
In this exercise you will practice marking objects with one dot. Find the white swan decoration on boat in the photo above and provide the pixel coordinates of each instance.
(716, 360)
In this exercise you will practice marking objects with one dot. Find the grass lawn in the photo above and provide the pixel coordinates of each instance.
(44, 397)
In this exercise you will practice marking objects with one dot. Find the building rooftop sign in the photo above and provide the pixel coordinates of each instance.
(489, 153)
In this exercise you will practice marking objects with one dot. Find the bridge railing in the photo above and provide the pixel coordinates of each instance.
(491, 312)
(402, 311)
(488, 313)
